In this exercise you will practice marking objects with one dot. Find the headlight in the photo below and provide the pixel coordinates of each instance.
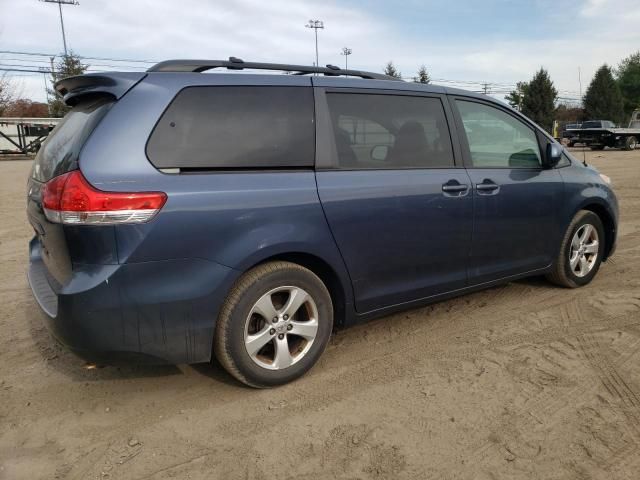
(605, 179)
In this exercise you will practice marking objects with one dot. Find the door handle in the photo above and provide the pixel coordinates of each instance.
(487, 187)
(453, 188)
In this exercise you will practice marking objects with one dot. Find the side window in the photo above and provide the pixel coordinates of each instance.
(497, 139)
(389, 131)
(235, 127)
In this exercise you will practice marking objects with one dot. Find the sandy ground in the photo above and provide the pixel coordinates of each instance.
(519, 381)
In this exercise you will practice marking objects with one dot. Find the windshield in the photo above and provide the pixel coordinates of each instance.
(592, 124)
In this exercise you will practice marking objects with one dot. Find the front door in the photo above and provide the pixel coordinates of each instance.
(516, 200)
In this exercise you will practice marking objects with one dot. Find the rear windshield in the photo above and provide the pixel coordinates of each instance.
(235, 127)
(59, 153)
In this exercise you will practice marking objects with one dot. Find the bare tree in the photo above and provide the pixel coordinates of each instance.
(6, 93)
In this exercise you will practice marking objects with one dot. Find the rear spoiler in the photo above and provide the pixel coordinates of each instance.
(115, 84)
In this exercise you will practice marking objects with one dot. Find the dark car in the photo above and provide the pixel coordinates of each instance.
(598, 124)
(179, 214)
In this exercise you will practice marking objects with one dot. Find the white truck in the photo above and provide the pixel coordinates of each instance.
(598, 134)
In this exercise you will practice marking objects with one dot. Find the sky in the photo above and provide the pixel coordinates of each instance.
(463, 43)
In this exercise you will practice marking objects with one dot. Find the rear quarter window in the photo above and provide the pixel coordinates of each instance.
(235, 127)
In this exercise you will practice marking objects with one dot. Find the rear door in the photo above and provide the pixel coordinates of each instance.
(397, 203)
(516, 200)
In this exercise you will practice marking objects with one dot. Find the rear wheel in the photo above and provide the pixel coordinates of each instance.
(274, 325)
(630, 143)
(581, 251)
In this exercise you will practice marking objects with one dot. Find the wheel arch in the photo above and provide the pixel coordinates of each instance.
(607, 221)
(337, 289)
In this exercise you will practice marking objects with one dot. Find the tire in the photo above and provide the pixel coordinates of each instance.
(630, 143)
(571, 144)
(569, 272)
(265, 291)
(597, 147)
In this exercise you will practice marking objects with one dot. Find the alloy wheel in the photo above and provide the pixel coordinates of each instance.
(585, 246)
(281, 327)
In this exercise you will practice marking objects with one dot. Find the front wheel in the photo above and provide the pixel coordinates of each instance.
(581, 251)
(274, 325)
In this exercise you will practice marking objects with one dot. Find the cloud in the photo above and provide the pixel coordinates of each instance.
(461, 41)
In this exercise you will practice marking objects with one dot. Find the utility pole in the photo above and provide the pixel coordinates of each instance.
(316, 24)
(60, 3)
(346, 52)
(485, 88)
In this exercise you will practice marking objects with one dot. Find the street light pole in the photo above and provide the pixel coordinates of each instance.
(346, 52)
(60, 3)
(316, 24)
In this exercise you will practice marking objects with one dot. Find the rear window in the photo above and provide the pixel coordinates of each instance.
(235, 127)
(59, 153)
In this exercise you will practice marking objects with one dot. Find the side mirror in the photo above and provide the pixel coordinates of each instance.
(554, 154)
(379, 153)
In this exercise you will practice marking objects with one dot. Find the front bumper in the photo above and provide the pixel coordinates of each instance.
(151, 312)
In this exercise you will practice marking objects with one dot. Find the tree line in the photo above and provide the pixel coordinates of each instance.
(11, 105)
(422, 75)
(613, 94)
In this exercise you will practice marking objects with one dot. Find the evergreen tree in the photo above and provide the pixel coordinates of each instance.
(391, 70)
(423, 75)
(603, 100)
(539, 100)
(516, 96)
(628, 75)
(68, 66)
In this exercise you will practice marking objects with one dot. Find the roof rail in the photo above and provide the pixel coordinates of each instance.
(238, 64)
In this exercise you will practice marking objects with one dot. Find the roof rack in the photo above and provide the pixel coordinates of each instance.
(238, 64)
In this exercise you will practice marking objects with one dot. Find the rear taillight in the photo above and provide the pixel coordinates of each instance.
(70, 199)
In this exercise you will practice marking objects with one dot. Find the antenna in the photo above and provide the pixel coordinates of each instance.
(60, 3)
(584, 152)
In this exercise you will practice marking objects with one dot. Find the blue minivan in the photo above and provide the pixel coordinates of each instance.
(180, 214)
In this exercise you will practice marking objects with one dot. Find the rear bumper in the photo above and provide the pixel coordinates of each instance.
(152, 312)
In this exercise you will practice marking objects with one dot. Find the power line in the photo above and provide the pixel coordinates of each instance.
(13, 52)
